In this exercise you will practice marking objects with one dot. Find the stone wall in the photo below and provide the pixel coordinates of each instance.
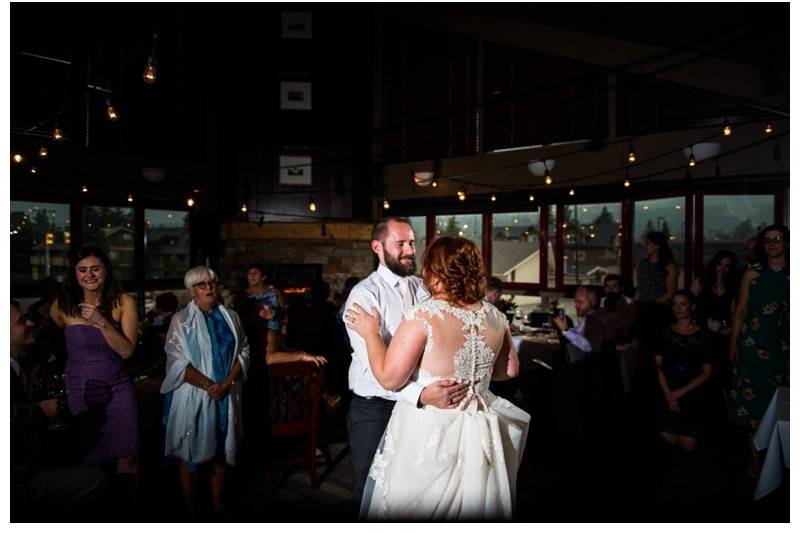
(341, 257)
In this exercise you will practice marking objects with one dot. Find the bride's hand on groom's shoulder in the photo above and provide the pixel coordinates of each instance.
(444, 394)
(361, 321)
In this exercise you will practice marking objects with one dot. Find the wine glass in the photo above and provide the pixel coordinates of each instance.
(57, 389)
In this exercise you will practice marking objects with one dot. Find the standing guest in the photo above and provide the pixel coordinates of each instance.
(207, 361)
(751, 254)
(716, 294)
(40, 492)
(683, 365)
(392, 289)
(759, 345)
(349, 283)
(494, 290)
(101, 327)
(657, 281)
(657, 277)
(259, 289)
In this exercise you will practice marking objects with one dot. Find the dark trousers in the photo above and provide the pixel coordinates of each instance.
(366, 422)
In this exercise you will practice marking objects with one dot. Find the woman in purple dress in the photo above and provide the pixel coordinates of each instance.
(100, 325)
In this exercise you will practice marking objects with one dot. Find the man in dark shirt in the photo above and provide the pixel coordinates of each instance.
(40, 493)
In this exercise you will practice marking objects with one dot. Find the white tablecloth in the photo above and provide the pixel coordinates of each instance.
(773, 434)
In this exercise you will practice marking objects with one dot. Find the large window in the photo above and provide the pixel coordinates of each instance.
(729, 221)
(468, 226)
(551, 246)
(591, 243)
(420, 235)
(666, 215)
(515, 247)
(112, 229)
(40, 241)
(166, 243)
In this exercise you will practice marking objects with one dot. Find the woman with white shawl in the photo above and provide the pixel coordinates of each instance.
(207, 359)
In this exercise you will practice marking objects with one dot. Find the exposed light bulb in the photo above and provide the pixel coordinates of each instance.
(43, 153)
(57, 134)
(33, 170)
(130, 198)
(768, 129)
(531, 197)
(190, 202)
(548, 180)
(627, 183)
(434, 183)
(494, 198)
(385, 203)
(311, 205)
(149, 75)
(726, 128)
(572, 192)
(692, 161)
(84, 188)
(111, 112)
(243, 208)
(631, 154)
(18, 158)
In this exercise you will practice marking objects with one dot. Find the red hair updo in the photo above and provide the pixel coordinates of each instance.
(456, 262)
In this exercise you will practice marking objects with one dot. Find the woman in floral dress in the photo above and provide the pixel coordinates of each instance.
(759, 348)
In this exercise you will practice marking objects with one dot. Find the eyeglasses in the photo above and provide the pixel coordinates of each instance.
(205, 285)
(769, 240)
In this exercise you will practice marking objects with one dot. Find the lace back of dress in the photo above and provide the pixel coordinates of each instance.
(462, 344)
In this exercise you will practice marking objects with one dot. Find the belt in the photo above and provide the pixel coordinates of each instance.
(372, 398)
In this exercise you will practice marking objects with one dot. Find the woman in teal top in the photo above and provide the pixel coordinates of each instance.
(759, 346)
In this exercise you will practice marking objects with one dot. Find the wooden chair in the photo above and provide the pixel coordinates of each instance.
(294, 408)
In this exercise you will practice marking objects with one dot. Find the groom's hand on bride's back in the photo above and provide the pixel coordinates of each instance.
(444, 394)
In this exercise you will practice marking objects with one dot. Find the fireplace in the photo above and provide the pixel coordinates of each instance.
(295, 280)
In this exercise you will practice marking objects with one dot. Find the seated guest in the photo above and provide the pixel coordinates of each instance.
(683, 364)
(612, 284)
(275, 353)
(591, 332)
(494, 290)
(40, 493)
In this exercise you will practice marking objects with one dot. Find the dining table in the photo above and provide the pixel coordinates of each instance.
(773, 435)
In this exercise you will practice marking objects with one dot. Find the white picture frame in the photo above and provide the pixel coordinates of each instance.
(294, 169)
(296, 24)
(296, 95)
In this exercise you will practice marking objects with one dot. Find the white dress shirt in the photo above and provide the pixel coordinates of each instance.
(384, 290)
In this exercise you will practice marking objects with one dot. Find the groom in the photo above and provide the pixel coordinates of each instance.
(392, 289)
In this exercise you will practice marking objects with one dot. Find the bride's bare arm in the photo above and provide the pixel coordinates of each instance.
(506, 366)
(394, 366)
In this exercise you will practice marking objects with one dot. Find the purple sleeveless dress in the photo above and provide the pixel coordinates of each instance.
(100, 395)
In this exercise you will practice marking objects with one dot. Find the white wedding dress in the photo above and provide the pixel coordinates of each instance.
(451, 464)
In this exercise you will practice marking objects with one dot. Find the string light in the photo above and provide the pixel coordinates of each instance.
(190, 202)
(243, 208)
(768, 129)
(385, 203)
(43, 153)
(494, 198)
(311, 205)
(627, 182)
(33, 170)
(57, 134)
(18, 158)
(548, 180)
(462, 193)
(572, 191)
(692, 161)
(434, 183)
(130, 198)
(726, 128)
(84, 188)
(531, 197)
(111, 112)
(631, 153)
(149, 75)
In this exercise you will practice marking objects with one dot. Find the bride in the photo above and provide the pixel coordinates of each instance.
(457, 463)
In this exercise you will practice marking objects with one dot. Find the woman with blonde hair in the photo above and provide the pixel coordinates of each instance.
(446, 463)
